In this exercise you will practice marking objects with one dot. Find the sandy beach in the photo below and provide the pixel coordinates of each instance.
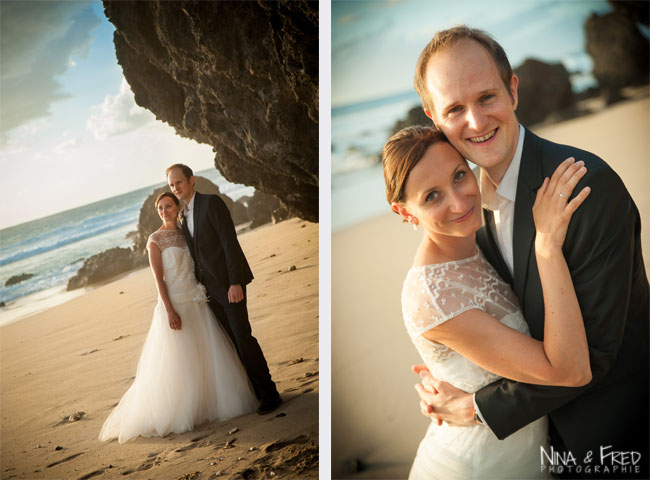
(376, 423)
(81, 356)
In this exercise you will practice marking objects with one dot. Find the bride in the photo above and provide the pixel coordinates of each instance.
(464, 319)
(189, 371)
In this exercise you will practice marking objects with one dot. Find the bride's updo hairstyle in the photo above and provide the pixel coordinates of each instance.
(401, 153)
(170, 195)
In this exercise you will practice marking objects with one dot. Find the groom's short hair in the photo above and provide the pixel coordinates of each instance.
(187, 171)
(449, 37)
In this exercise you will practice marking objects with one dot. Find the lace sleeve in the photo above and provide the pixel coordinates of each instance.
(430, 298)
(153, 238)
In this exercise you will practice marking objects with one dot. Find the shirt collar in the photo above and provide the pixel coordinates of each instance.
(190, 206)
(507, 189)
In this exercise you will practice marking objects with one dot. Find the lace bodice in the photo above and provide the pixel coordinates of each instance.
(178, 266)
(433, 294)
(167, 238)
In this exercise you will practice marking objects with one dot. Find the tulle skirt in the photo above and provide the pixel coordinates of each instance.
(184, 378)
(464, 453)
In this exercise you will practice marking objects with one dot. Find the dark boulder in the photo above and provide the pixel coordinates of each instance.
(18, 278)
(263, 209)
(544, 90)
(240, 76)
(619, 51)
(415, 116)
(106, 265)
(635, 10)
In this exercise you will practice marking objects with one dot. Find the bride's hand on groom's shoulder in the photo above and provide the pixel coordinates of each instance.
(442, 401)
(554, 206)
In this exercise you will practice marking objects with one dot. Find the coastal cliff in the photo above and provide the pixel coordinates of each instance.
(240, 76)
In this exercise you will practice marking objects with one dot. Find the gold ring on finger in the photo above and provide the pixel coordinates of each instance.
(563, 195)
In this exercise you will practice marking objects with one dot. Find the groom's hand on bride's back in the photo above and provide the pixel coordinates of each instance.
(442, 401)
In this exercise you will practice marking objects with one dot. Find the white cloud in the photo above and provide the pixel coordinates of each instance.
(66, 146)
(38, 41)
(118, 114)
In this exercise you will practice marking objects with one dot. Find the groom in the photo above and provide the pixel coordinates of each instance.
(222, 268)
(468, 89)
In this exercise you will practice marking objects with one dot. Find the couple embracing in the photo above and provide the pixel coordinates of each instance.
(199, 361)
(533, 328)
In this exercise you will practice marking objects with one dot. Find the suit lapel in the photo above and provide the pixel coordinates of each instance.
(491, 249)
(195, 214)
(529, 181)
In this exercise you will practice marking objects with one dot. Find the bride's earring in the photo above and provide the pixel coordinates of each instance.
(414, 222)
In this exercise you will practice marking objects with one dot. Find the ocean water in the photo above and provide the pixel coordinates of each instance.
(53, 248)
(359, 132)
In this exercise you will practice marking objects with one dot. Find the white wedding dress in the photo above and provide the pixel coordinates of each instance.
(433, 294)
(185, 377)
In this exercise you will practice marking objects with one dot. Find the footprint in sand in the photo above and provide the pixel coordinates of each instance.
(280, 444)
(66, 459)
(187, 447)
(285, 458)
(140, 468)
(201, 436)
(91, 474)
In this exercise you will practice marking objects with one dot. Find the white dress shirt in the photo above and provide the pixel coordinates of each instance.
(188, 210)
(501, 200)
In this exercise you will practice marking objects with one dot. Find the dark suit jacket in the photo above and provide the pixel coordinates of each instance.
(603, 252)
(218, 257)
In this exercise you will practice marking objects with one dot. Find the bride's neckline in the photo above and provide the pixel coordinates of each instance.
(449, 262)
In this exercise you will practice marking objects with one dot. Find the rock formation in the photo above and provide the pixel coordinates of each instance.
(415, 116)
(240, 76)
(18, 278)
(104, 266)
(263, 208)
(618, 49)
(544, 89)
(635, 10)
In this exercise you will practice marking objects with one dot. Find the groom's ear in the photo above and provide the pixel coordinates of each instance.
(514, 84)
(430, 115)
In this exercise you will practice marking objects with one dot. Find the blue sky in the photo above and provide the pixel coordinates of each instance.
(70, 131)
(375, 44)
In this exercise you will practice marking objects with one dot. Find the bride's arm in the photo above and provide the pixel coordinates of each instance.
(155, 260)
(563, 357)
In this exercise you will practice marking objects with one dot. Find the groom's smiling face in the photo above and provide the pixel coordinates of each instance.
(472, 106)
(181, 186)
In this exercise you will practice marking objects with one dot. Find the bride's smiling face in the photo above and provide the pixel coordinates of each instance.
(441, 192)
(167, 209)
